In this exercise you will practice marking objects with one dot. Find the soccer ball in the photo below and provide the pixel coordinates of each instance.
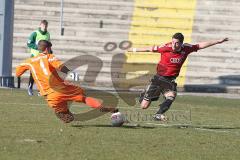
(117, 119)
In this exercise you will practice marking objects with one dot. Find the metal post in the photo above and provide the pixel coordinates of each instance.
(61, 19)
(6, 42)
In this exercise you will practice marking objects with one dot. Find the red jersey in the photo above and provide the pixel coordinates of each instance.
(171, 62)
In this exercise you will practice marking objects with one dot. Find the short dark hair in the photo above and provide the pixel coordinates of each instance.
(47, 43)
(45, 22)
(178, 36)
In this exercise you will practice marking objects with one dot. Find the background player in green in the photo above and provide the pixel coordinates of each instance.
(40, 34)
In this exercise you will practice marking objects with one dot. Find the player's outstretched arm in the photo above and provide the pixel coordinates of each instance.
(203, 45)
(144, 49)
(21, 69)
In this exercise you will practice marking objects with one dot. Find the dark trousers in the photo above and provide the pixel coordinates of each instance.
(31, 81)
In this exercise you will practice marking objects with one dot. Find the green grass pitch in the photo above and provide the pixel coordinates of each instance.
(198, 128)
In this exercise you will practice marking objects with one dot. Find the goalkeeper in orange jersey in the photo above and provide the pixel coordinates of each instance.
(56, 91)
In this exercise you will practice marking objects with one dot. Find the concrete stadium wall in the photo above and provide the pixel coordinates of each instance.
(83, 32)
(144, 23)
(215, 69)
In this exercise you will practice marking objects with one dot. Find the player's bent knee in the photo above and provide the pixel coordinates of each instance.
(145, 104)
(66, 117)
(170, 95)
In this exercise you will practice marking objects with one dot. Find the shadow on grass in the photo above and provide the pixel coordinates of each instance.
(183, 126)
(127, 126)
(157, 125)
(214, 127)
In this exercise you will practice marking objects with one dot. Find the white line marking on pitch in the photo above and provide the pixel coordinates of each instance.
(212, 130)
(189, 126)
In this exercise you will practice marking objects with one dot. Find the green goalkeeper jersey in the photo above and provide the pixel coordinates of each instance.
(34, 38)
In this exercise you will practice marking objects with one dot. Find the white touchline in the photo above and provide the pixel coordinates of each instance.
(200, 127)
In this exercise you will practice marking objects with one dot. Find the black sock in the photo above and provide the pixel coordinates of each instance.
(165, 106)
(141, 97)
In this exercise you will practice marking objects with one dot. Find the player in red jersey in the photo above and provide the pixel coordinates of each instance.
(173, 55)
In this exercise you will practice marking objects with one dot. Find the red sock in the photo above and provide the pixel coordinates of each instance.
(92, 102)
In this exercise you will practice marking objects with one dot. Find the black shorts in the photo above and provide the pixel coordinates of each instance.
(158, 85)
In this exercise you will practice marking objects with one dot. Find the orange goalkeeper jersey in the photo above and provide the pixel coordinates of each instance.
(43, 68)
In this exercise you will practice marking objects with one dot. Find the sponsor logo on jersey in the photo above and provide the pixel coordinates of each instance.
(175, 60)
